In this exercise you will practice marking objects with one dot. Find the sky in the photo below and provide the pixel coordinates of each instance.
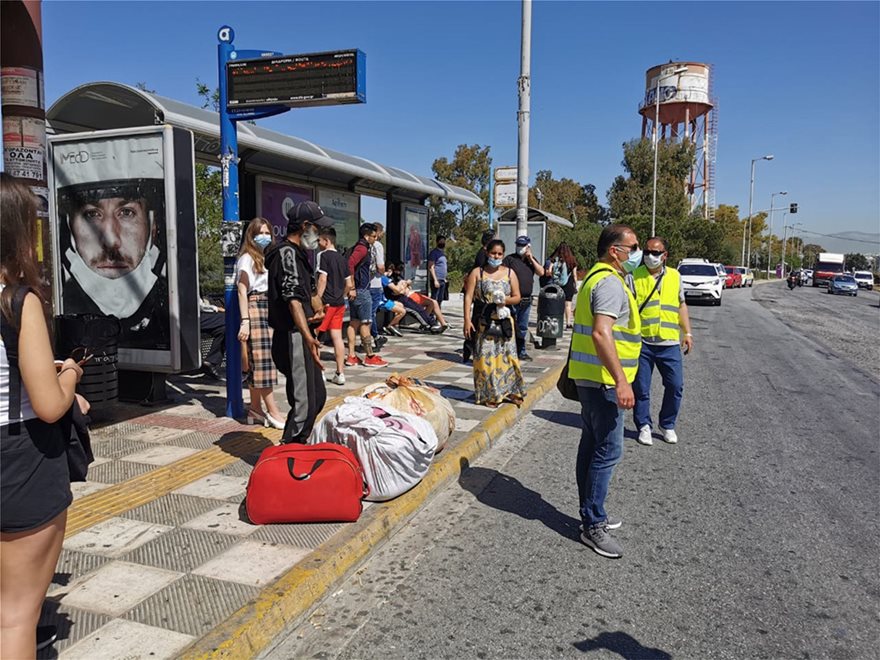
(796, 80)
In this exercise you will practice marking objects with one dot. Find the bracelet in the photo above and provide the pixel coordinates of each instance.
(245, 320)
(687, 334)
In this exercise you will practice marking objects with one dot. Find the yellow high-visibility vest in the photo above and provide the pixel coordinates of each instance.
(584, 363)
(659, 312)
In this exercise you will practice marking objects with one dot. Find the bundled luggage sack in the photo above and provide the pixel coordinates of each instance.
(296, 483)
(395, 450)
(415, 398)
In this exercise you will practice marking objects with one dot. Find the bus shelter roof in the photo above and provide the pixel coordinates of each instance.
(536, 215)
(107, 105)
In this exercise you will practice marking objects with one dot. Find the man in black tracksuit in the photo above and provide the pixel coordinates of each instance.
(295, 350)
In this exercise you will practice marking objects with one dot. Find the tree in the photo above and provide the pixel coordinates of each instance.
(811, 252)
(856, 261)
(469, 168)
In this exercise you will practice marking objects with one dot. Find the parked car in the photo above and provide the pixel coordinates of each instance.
(864, 278)
(844, 284)
(733, 279)
(809, 274)
(701, 281)
(748, 277)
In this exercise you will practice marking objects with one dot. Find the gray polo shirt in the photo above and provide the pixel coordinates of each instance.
(608, 298)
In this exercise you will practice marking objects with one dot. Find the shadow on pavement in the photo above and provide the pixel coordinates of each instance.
(506, 493)
(626, 646)
(444, 355)
(51, 616)
(559, 417)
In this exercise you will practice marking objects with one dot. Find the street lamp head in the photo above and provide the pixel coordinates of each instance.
(783, 192)
(768, 157)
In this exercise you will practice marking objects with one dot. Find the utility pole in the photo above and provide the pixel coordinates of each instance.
(24, 109)
(525, 101)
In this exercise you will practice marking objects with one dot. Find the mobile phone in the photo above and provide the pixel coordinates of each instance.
(85, 359)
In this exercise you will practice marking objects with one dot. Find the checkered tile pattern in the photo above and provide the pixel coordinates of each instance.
(159, 575)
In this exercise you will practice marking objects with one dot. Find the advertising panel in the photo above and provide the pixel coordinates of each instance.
(537, 231)
(275, 198)
(415, 245)
(345, 209)
(119, 205)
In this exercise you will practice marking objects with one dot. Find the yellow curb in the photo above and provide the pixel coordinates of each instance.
(253, 627)
(111, 501)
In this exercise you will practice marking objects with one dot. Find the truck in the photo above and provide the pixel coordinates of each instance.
(828, 264)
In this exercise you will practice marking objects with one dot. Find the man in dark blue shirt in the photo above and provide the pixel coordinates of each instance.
(437, 271)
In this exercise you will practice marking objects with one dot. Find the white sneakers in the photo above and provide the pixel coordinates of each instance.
(645, 438)
(337, 379)
(668, 435)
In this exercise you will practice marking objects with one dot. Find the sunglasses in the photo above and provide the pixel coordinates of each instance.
(655, 253)
(631, 248)
(81, 355)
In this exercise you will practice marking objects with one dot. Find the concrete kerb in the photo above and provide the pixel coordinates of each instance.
(253, 627)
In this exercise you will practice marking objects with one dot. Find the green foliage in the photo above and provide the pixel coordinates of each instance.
(811, 252)
(856, 261)
(209, 209)
(469, 168)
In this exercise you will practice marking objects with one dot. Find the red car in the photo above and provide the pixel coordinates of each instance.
(734, 278)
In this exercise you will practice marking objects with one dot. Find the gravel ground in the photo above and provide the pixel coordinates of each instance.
(847, 327)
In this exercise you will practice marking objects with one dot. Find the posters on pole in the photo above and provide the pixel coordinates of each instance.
(415, 246)
(112, 235)
(275, 199)
(21, 85)
(345, 209)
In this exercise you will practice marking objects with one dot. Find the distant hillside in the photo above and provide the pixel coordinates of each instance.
(847, 241)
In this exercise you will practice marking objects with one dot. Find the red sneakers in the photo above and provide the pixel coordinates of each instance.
(352, 361)
(374, 361)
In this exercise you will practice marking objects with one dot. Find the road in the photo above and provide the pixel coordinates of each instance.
(756, 536)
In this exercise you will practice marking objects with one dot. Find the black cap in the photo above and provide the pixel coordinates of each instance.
(303, 212)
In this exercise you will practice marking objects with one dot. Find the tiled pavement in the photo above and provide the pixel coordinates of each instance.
(159, 550)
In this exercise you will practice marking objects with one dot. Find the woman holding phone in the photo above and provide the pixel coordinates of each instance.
(34, 396)
(252, 279)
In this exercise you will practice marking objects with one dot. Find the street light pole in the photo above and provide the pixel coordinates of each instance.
(680, 70)
(770, 231)
(747, 226)
(523, 119)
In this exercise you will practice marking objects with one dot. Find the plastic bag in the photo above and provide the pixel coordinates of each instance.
(394, 449)
(415, 398)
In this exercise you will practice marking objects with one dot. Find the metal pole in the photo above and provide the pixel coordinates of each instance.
(784, 213)
(747, 227)
(655, 136)
(231, 228)
(491, 197)
(525, 87)
(770, 232)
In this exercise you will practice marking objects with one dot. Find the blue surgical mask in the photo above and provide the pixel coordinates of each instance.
(263, 240)
(633, 261)
(494, 262)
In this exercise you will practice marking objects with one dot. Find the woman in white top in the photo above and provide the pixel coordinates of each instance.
(253, 303)
(34, 396)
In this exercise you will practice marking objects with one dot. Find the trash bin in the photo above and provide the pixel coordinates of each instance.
(100, 335)
(551, 313)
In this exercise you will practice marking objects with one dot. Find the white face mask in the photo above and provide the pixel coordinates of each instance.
(118, 297)
(310, 240)
(521, 250)
(653, 262)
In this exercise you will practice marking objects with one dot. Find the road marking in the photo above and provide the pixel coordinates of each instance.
(111, 501)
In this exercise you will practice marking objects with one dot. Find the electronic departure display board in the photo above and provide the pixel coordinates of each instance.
(298, 80)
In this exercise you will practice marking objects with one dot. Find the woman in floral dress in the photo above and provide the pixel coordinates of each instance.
(497, 374)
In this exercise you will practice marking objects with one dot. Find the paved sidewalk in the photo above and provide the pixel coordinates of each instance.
(159, 558)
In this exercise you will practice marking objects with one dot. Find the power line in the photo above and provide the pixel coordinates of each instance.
(838, 237)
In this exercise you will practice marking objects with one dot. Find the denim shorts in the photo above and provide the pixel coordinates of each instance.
(361, 308)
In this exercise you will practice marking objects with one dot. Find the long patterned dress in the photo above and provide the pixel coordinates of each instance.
(497, 374)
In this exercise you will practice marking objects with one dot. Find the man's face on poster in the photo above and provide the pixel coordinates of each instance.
(111, 234)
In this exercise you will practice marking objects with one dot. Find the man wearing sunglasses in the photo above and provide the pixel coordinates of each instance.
(664, 315)
(605, 350)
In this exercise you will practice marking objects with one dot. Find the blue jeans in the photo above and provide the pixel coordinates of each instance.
(378, 297)
(521, 316)
(601, 448)
(668, 362)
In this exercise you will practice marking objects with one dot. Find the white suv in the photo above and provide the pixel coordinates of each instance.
(701, 280)
(864, 278)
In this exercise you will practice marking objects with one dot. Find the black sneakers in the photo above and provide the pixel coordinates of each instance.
(45, 636)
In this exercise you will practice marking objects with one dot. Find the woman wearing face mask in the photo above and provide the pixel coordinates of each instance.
(497, 375)
(252, 284)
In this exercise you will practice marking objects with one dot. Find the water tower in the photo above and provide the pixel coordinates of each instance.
(686, 111)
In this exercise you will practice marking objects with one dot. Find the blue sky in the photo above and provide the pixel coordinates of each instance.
(798, 80)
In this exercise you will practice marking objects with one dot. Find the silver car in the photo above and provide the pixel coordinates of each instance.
(843, 284)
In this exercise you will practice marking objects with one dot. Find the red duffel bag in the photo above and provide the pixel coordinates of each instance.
(296, 483)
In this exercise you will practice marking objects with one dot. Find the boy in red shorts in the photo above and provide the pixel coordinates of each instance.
(334, 283)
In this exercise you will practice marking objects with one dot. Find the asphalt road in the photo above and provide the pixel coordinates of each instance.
(756, 536)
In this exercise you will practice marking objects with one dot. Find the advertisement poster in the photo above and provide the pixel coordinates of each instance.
(345, 210)
(20, 85)
(276, 198)
(415, 246)
(112, 235)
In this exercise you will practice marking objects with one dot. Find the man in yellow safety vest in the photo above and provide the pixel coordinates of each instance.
(605, 350)
(664, 314)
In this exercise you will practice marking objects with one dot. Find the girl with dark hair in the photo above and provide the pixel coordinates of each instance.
(252, 281)
(497, 375)
(34, 396)
(561, 269)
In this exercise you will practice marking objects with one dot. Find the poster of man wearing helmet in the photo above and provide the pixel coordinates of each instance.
(113, 238)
